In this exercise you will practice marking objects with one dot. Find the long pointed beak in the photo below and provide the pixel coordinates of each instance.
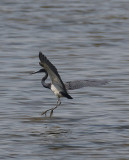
(35, 72)
(41, 70)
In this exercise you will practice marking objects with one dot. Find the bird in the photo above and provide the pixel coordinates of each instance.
(57, 86)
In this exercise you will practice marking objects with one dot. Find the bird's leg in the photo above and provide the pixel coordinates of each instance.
(57, 104)
(51, 109)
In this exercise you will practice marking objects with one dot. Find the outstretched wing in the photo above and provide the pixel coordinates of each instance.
(71, 85)
(51, 70)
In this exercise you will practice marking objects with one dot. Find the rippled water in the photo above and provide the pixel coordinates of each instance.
(85, 40)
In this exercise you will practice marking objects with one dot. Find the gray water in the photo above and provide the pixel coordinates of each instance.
(84, 40)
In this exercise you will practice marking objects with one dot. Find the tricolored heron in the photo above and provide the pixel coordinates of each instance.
(57, 86)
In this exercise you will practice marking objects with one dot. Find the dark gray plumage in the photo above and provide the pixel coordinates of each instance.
(51, 70)
(57, 86)
(71, 85)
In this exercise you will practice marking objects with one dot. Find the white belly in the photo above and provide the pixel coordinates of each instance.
(56, 90)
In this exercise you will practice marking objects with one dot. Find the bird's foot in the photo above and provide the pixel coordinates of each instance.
(45, 112)
(51, 113)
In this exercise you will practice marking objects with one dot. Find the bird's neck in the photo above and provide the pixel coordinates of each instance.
(45, 77)
(46, 85)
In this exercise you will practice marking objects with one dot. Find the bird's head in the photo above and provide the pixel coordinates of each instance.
(41, 70)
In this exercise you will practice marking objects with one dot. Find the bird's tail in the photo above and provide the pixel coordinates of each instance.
(66, 95)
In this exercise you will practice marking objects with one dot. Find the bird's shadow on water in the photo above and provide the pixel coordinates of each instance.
(46, 126)
(50, 133)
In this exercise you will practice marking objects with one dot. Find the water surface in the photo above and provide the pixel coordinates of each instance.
(84, 40)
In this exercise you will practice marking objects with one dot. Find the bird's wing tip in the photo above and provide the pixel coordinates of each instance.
(40, 54)
(42, 57)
